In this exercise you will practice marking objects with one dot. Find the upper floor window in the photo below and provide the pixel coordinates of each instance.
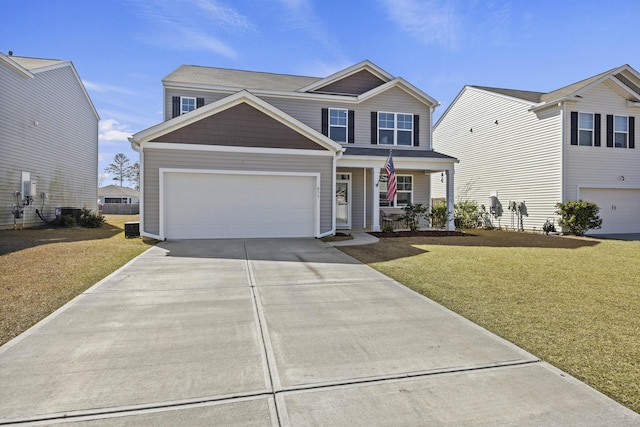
(585, 129)
(395, 129)
(620, 131)
(338, 124)
(187, 104)
(404, 195)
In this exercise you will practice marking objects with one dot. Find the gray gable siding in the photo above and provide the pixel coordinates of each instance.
(355, 84)
(242, 126)
(154, 159)
(48, 128)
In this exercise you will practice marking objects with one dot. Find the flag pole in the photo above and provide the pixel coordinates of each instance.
(385, 165)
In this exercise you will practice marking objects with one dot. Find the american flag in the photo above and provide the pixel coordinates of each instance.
(392, 183)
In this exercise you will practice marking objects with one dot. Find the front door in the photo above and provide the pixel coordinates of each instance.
(343, 200)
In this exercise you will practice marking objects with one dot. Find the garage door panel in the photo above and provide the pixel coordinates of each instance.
(619, 209)
(215, 205)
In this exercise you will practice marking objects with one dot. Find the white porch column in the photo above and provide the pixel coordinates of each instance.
(375, 199)
(450, 202)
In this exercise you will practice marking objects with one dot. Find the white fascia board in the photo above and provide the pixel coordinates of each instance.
(553, 104)
(404, 85)
(363, 65)
(229, 102)
(399, 163)
(501, 95)
(15, 66)
(633, 104)
(626, 88)
(233, 149)
(464, 89)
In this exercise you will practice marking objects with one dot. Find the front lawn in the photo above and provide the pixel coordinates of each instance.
(573, 302)
(44, 268)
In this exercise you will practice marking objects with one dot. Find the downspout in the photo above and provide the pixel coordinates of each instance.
(563, 145)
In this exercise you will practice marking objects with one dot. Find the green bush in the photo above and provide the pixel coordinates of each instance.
(387, 227)
(466, 213)
(64, 221)
(578, 216)
(412, 214)
(439, 215)
(89, 220)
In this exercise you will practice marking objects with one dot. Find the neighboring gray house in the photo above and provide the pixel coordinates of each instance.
(48, 140)
(577, 142)
(251, 154)
(114, 199)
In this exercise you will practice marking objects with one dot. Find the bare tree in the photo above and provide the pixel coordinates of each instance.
(133, 175)
(119, 168)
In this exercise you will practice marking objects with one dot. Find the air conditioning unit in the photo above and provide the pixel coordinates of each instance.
(131, 229)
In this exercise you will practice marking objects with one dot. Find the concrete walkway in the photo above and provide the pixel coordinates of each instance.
(276, 332)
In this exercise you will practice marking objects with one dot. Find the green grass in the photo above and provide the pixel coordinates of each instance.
(573, 302)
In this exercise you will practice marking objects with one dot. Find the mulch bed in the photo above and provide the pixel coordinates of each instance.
(427, 233)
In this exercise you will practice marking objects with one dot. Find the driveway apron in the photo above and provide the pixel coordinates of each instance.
(271, 332)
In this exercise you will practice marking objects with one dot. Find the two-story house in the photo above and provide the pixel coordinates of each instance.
(541, 148)
(48, 140)
(253, 154)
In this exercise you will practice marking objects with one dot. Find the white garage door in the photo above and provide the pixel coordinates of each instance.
(619, 209)
(219, 205)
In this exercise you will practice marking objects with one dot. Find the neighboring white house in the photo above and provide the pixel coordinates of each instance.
(577, 142)
(253, 154)
(48, 140)
(117, 200)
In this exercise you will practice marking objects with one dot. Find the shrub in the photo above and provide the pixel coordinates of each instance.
(412, 214)
(466, 213)
(439, 215)
(89, 220)
(387, 227)
(64, 221)
(578, 216)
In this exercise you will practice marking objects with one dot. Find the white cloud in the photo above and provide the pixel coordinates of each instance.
(181, 25)
(101, 87)
(111, 130)
(430, 21)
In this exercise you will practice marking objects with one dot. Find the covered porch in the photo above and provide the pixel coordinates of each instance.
(361, 186)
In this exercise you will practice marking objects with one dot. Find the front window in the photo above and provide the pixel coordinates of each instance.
(585, 129)
(404, 195)
(338, 125)
(620, 131)
(187, 104)
(395, 129)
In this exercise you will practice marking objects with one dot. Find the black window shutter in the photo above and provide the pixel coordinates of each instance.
(596, 130)
(176, 106)
(199, 102)
(632, 132)
(609, 130)
(374, 127)
(416, 132)
(351, 127)
(574, 128)
(325, 121)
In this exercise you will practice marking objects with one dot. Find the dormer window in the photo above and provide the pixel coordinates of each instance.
(187, 104)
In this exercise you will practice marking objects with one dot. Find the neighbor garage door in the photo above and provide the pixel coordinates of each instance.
(619, 209)
(221, 205)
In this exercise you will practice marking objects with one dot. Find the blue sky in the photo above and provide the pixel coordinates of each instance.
(123, 48)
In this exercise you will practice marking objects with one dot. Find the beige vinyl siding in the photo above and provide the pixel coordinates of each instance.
(520, 157)
(48, 128)
(601, 167)
(309, 111)
(154, 159)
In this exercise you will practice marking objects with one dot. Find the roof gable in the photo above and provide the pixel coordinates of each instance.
(342, 75)
(171, 129)
(240, 126)
(355, 84)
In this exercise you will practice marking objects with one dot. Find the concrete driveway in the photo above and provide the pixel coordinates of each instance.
(276, 332)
